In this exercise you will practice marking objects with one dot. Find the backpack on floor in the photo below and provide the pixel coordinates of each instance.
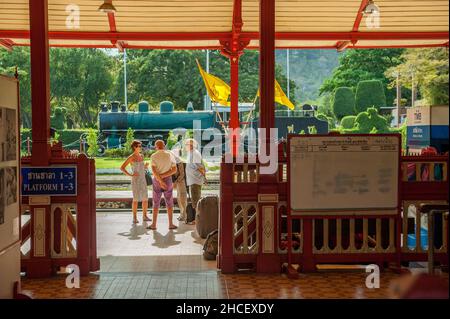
(211, 245)
(190, 213)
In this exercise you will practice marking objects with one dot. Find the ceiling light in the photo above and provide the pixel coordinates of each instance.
(371, 8)
(107, 7)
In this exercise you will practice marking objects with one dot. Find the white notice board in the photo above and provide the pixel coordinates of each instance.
(347, 173)
(9, 187)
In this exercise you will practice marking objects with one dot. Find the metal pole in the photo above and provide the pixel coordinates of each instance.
(288, 78)
(413, 91)
(287, 73)
(431, 242)
(125, 76)
(207, 104)
(399, 98)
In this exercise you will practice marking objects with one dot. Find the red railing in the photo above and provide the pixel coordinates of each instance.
(61, 230)
(254, 221)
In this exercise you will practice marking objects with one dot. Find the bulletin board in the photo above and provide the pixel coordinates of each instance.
(345, 174)
(9, 186)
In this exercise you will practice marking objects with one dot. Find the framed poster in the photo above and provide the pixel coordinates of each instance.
(9, 186)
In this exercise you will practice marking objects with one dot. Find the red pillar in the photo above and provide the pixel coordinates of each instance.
(234, 112)
(267, 63)
(267, 262)
(40, 82)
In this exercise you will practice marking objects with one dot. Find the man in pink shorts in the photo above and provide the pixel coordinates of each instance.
(163, 167)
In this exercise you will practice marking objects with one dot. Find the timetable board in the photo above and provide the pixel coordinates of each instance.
(344, 173)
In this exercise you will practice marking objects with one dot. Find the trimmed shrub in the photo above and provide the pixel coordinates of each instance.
(329, 119)
(371, 122)
(369, 94)
(93, 143)
(129, 140)
(343, 102)
(348, 122)
(57, 120)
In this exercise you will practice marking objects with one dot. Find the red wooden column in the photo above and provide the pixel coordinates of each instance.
(39, 264)
(267, 63)
(268, 260)
(234, 112)
(40, 82)
(233, 49)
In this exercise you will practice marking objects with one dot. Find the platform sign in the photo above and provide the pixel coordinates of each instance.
(50, 181)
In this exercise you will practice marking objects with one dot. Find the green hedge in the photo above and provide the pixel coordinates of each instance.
(348, 122)
(369, 94)
(69, 138)
(343, 102)
(330, 120)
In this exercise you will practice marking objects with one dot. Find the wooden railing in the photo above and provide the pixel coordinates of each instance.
(61, 230)
(354, 235)
(328, 238)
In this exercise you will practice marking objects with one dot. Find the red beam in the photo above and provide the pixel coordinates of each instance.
(186, 36)
(359, 15)
(112, 22)
(361, 36)
(7, 44)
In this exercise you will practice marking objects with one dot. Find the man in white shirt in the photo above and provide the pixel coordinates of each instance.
(163, 167)
(195, 172)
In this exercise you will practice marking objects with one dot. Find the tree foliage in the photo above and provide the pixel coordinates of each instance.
(369, 94)
(429, 68)
(364, 64)
(343, 102)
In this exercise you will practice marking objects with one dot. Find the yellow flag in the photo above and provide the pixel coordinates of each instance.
(280, 97)
(217, 89)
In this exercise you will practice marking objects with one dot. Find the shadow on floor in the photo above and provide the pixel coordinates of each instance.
(136, 231)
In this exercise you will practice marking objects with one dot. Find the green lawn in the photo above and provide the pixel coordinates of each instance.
(105, 162)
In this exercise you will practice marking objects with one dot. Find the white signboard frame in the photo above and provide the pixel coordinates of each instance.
(349, 175)
(9, 186)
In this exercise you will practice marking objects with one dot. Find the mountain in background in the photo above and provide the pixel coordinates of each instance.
(308, 68)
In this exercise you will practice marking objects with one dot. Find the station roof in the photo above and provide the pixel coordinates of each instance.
(202, 24)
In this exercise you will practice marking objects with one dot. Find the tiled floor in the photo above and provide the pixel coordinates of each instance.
(141, 263)
(123, 247)
(213, 285)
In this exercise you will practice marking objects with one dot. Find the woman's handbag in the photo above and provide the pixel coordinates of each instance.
(148, 178)
(190, 210)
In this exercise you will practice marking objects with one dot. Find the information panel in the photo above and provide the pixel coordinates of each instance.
(50, 181)
(344, 173)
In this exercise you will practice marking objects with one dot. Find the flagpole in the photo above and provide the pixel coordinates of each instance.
(125, 76)
(288, 77)
(207, 99)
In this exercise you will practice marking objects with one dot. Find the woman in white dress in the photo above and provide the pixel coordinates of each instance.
(138, 183)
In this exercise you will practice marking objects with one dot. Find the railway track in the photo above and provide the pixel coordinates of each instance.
(213, 181)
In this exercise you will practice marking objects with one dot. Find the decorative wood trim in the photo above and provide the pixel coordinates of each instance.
(39, 200)
(267, 198)
(268, 229)
(39, 232)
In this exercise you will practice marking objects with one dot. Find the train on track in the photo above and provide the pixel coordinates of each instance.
(115, 120)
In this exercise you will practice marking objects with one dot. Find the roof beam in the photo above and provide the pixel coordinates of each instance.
(342, 45)
(186, 36)
(359, 15)
(7, 44)
(112, 27)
